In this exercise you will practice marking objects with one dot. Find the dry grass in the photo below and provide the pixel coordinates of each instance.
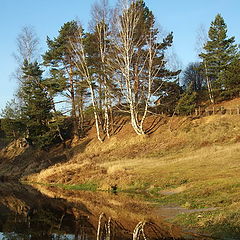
(181, 151)
(199, 156)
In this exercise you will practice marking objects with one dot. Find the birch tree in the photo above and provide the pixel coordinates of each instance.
(131, 53)
(138, 58)
(101, 15)
(78, 50)
(27, 49)
(27, 46)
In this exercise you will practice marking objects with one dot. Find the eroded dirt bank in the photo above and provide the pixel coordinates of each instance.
(196, 159)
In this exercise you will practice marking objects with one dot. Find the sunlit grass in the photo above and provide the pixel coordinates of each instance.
(190, 163)
(83, 187)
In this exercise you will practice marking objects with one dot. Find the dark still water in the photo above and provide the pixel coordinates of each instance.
(44, 213)
(27, 214)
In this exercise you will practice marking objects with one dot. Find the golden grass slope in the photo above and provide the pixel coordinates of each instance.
(180, 148)
(196, 161)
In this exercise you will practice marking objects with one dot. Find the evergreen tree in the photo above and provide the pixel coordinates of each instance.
(187, 103)
(36, 111)
(2, 133)
(193, 78)
(219, 52)
(230, 79)
(168, 97)
(60, 58)
(12, 123)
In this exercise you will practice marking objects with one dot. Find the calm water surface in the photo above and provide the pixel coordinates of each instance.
(43, 213)
(25, 213)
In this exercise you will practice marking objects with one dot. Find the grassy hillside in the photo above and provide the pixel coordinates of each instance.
(185, 162)
(189, 162)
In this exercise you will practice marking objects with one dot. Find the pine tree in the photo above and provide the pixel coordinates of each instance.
(60, 59)
(187, 103)
(230, 79)
(193, 77)
(36, 111)
(12, 123)
(168, 97)
(219, 52)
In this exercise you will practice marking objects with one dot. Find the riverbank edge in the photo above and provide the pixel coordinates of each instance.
(198, 154)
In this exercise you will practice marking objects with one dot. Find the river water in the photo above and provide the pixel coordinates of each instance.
(42, 213)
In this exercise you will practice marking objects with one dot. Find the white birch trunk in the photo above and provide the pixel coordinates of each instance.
(100, 22)
(133, 66)
(80, 61)
(209, 86)
(96, 117)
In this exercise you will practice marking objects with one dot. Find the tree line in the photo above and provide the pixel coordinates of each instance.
(117, 67)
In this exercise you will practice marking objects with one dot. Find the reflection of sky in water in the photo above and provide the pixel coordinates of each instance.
(64, 237)
(9, 236)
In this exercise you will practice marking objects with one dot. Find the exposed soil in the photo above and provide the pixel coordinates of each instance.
(115, 161)
(171, 212)
(188, 161)
(173, 190)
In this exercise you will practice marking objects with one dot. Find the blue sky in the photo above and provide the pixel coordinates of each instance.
(183, 17)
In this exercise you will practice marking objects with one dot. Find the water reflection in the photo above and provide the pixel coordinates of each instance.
(27, 214)
(52, 213)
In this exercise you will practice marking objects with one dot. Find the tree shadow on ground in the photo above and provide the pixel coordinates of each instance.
(155, 125)
(119, 125)
(80, 148)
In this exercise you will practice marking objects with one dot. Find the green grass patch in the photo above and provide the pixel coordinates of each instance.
(84, 187)
(221, 225)
(193, 199)
(88, 186)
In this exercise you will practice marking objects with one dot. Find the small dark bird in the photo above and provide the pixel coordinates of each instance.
(114, 188)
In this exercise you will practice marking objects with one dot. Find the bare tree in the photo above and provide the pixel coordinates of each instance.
(123, 48)
(131, 53)
(136, 59)
(27, 48)
(101, 15)
(27, 45)
(174, 63)
(201, 40)
(80, 60)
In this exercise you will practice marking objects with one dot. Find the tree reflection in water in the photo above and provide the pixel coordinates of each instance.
(27, 214)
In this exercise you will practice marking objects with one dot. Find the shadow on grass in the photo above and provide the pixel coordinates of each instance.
(80, 148)
(154, 126)
(33, 161)
(119, 125)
